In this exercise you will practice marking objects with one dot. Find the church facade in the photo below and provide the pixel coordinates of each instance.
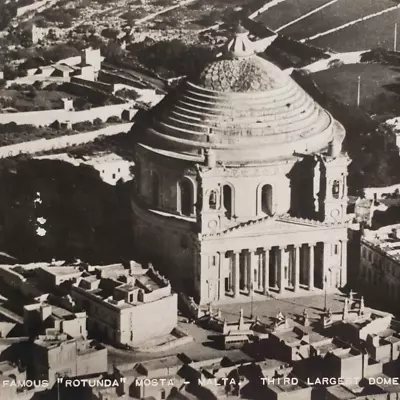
(240, 183)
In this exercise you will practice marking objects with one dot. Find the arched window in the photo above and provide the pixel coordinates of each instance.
(335, 189)
(266, 199)
(155, 190)
(212, 200)
(185, 197)
(228, 199)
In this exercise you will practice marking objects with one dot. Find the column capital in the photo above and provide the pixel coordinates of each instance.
(312, 244)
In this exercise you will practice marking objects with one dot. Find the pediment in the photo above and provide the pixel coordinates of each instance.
(274, 225)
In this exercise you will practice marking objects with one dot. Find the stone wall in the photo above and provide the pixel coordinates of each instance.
(84, 88)
(149, 320)
(174, 256)
(104, 87)
(47, 117)
(36, 6)
(37, 146)
(93, 362)
(112, 77)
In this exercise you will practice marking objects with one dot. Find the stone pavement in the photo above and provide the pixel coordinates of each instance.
(203, 346)
(291, 307)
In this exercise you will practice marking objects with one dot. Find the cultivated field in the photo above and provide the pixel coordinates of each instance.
(287, 11)
(337, 14)
(373, 33)
(33, 100)
(380, 86)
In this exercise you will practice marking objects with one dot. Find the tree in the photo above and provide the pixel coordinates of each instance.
(110, 33)
(112, 51)
(172, 55)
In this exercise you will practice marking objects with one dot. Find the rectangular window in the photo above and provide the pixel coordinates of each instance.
(336, 249)
(213, 261)
(113, 176)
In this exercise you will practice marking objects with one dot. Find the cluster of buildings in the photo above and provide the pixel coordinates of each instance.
(74, 309)
(351, 354)
(239, 189)
(86, 68)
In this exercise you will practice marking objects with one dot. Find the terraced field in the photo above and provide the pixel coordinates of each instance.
(373, 33)
(337, 14)
(380, 86)
(287, 11)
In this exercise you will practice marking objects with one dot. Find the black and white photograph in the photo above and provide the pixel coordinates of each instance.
(199, 199)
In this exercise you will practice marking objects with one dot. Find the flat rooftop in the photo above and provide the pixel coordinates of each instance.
(6, 366)
(62, 271)
(280, 386)
(346, 353)
(341, 392)
(386, 239)
(61, 313)
(163, 362)
(327, 347)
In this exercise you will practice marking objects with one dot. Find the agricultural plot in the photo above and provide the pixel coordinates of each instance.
(33, 100)
(287, 11)
(373, 33)
(334, 15)
(379, 84)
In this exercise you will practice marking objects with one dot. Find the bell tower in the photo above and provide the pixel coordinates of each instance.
(333, 185)
(210, 209)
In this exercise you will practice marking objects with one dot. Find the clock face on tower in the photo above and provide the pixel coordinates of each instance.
(335, 214)
(213, 225)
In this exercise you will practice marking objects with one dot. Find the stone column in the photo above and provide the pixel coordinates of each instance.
(327, 249)
(266, 270)
(254, 260)
(236, 272)
(296, 283)
(280, 269)
(343, 262)
(248, 267)
(311, 267)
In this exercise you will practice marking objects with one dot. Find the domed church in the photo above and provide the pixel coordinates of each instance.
(240, 184)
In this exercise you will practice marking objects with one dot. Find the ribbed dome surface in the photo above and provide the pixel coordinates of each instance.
(244, 108)
(250, 74)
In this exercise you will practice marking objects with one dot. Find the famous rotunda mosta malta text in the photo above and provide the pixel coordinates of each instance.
(240, 184)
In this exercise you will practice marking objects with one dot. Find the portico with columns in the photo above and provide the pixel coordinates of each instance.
(280, 262)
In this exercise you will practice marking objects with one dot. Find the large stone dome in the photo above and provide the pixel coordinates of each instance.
(243, 108)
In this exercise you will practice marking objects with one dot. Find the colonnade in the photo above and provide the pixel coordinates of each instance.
(278, 268)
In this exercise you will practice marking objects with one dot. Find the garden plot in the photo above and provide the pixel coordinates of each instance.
(377, 32)
(335, 15)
